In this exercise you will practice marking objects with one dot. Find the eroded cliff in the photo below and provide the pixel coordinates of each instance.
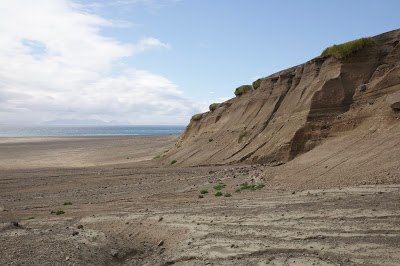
(294, 110)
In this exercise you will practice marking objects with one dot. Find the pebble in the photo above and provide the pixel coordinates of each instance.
(160, 243)
(161, 250)
(114, 253)
(16, 224)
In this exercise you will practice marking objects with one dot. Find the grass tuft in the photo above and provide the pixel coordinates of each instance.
(247, 186)
(243, 89)
(257, 84)
(219, 186)
(204, 191)
(344, 50)
(218, 194)
(213, 106)
(197, 117)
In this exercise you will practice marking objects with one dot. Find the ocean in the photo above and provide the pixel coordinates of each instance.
(53, 131)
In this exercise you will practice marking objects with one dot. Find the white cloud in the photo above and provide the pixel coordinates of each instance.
(150, 43)
(55, 64)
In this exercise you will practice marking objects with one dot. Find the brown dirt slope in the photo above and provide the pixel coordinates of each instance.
(297, 109)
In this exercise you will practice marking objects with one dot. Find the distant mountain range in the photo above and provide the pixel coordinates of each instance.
(82, 122)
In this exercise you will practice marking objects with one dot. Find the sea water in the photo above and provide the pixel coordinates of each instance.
(43, 131)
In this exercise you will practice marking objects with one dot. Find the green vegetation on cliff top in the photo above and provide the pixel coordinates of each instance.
(243, 89)
(197, 117)
(341, 51)
(213, 106)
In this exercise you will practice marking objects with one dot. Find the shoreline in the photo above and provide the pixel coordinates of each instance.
(79, 151)
(8, 139)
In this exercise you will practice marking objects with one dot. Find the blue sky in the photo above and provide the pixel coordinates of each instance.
(218, 45)
(160, 61)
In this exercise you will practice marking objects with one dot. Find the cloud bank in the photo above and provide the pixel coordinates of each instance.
(56, 64)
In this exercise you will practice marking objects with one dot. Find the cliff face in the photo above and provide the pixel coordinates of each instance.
(294, 110)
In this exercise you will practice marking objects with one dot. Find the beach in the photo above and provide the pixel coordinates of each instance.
(199, 133)
(103, 200)
(39, 152)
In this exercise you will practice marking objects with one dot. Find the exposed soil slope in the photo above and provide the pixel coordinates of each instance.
(294, 110)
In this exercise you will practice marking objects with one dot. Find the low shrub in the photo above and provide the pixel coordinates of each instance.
(219, 186)
(174, 161)
(218, 194)
(257, 84)
(58, 212)
(247, 186)
(213, 106)
(210, 140)
(243, 89)
(341, 51)
(67, 203)
(228, 195)
(204, 191)
(197, 117)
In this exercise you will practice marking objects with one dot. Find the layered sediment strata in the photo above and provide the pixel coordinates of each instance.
(294, 110)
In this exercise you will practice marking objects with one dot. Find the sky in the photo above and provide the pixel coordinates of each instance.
(148, 62)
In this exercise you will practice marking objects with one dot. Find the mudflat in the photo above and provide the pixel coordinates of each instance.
(104, 200)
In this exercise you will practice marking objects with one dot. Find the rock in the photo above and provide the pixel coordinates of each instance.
(67, 258)
(160, 219)
(80, 226)
(160, 243)
(394, 101)
(362, 88)
(75, 233)
(15, 223)
(114, 253)
(161, 251)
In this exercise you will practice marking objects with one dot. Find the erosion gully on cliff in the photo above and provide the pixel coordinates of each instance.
(294, 110)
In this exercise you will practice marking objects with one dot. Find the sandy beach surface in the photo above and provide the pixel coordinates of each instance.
(103, 201)
(38, 152)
